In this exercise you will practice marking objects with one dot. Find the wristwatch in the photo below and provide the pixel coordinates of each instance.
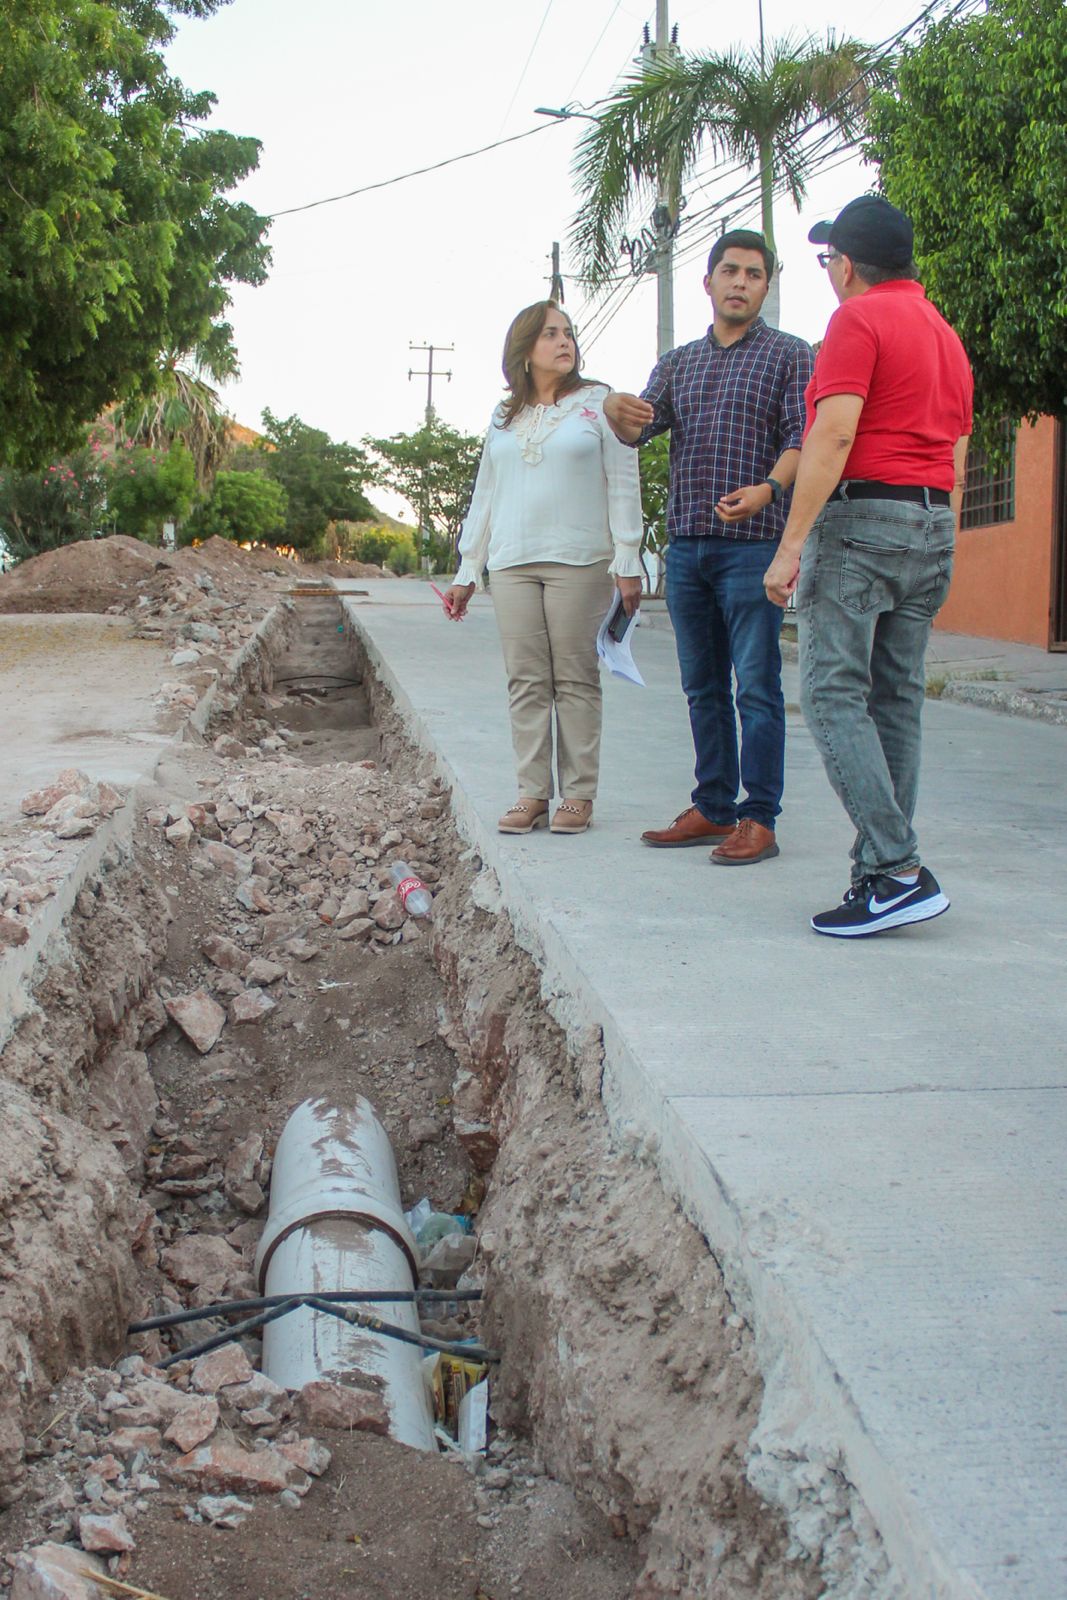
(776, 490)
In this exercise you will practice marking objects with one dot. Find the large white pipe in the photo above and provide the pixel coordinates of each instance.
(335, 1223)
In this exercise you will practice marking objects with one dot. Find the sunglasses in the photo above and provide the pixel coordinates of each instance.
(825, 257)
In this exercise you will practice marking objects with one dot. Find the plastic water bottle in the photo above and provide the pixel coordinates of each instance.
(414, 895)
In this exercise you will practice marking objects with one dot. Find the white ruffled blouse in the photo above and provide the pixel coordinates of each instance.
(556, 485)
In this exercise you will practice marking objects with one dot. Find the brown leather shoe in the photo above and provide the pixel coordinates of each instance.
(572, 816)
(749, 842)
(689, 828)
(524, 816)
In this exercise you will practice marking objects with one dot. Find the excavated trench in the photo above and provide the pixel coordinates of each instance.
(133, 1177)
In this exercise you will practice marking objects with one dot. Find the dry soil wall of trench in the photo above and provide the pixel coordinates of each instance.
(77, 1099)
(623, 1355)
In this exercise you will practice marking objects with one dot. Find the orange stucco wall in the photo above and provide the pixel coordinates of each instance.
(1002, 576)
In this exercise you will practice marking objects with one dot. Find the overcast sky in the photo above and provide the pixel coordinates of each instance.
(343, 93)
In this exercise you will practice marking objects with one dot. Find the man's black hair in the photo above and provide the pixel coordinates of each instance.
(873, 275)
(742, 239)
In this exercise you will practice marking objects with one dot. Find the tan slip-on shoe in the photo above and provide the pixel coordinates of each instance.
(690, 827)
(524, 816)
(749, 842)
(572, 816)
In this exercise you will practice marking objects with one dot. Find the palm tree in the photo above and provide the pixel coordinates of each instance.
(181, 405)
(747, 106)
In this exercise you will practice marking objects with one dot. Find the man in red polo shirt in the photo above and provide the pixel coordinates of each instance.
(878, 488)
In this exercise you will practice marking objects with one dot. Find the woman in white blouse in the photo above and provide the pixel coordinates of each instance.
(556, 514)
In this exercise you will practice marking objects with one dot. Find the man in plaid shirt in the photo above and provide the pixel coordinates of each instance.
(734, 404)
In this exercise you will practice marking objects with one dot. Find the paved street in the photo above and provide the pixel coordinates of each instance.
(870, 1133)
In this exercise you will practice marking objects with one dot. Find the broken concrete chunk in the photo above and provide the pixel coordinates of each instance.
(68, 806)
(127, 1442)
(222, 952)
(251, 1006)
(194, 1423)
(387, 912)
(226, 1465)
(12, 932)
(356, 903)
(56, 1572)
(199, 1017)
(233, 862)
(260, 1393)
(109, 1535)
(260, 971)
(198, 1258)
(181, 832)
(225, 745)
(223, 1510)
(252, 894)
(220, 1368)
(41, 801)
(75, 828)
(308, 1454)
(323, 1404)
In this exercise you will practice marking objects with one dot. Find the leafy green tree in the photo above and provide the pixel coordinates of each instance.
(747, 106)
(655, 486)
(323, 479)
(62, 503)
(973, 146)
(384, 547)
(146, 489)
(434, 469)
(243, 505)
(116, 241)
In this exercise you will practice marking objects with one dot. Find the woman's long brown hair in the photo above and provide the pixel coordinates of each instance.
(521, 337)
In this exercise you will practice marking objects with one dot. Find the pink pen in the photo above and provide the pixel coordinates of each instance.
(443, 599)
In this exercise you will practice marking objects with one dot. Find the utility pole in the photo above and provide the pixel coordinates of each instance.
(664, 220)
(555, 291)
(424, 510)
(429, 374)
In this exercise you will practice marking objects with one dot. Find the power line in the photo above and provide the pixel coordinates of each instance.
(418, 172)
(593, 51)
(526, 65)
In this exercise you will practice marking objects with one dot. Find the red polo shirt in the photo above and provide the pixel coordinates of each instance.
(892, 347)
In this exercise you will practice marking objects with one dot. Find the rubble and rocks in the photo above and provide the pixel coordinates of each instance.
(323, 1404)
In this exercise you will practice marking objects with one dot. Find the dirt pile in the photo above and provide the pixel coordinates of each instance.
(119, 574)
(92, 575)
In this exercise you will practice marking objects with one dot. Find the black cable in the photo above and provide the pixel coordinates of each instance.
(302, 677)
(372, 1324)
(357, 1319)
(231, 1333)
(225, 1308)
(402, 177)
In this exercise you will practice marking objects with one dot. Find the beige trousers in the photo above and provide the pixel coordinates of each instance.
(548, 614)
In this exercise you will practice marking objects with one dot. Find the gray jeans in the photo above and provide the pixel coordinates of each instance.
(873, 575)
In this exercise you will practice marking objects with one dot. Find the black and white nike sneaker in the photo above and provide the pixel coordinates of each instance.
(880, 902)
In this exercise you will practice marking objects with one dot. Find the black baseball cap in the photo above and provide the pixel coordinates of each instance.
(870, 230)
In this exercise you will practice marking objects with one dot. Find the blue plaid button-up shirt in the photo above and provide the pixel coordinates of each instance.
(732, 410)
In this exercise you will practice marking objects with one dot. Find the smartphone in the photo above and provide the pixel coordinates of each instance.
(618, 624)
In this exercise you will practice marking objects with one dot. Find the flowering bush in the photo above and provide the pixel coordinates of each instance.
(66, 502)
(147, 488)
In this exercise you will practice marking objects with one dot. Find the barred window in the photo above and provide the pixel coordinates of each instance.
(989, 493)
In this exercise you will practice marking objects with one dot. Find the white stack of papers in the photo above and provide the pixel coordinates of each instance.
(613, 641)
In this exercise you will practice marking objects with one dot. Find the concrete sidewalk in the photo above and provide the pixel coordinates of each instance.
(870, 1134)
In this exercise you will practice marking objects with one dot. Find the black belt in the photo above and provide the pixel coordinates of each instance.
(868, 489)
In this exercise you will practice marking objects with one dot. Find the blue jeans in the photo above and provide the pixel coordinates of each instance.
(873, 575)
(725, 626)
